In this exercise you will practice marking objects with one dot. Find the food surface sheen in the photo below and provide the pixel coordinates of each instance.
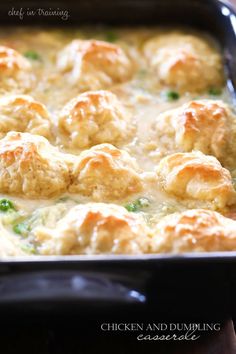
(94, 117)
(16, 74)
(195, 231)
(204, 125)
(115, 141)
(196, 176)
(184, 62)
(95, 228)
(92, 64)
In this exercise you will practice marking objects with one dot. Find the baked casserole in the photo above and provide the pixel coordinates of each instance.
(115, 141)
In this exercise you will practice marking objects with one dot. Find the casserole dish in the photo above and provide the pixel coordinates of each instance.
(162, 284)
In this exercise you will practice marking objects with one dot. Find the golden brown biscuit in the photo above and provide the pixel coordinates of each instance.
(105, 172)
(23, 114)
(203, 125)
(93, 65)
(185, 62)
(31, 166)
(15, 70)
(198, 176)
(91, 118)
(95, 228)
(195, 230)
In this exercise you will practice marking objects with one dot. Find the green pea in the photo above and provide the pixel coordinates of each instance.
(21, 229)
(215, 91)
(111, 37)
(137, 205)
(29, 248)
(132, 207)
(172, 95)
(6, 205)
(31, 54)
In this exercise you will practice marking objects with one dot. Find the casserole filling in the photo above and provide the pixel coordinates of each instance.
(115, 141)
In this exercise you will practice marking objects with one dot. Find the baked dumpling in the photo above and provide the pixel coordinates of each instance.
(203, 125)
(23, 114)
(92, 118)
(184, 62)
(95, 228)
(15, 71)
(105, 172)
(92, 65)
(198, 176)
(31, 166)
(195, 230)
